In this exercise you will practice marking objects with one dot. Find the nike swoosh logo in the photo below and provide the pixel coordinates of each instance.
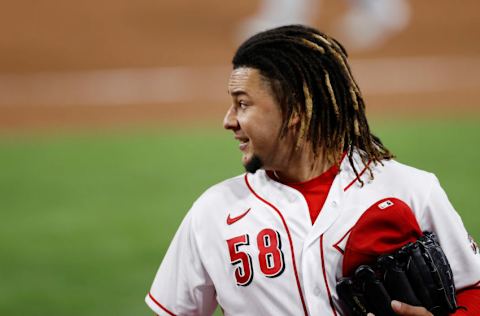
(231, 220)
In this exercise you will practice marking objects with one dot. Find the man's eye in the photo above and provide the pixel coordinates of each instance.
(242, 104)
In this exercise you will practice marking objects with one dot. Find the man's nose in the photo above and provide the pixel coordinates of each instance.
(230, 119)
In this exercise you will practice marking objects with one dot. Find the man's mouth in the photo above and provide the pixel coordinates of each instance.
(243, 143)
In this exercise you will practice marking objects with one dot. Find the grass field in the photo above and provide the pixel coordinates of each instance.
(86, 217)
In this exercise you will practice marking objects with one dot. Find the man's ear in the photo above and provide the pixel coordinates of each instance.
(294, 120)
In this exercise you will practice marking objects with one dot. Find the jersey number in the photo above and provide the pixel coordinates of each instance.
(270, 256)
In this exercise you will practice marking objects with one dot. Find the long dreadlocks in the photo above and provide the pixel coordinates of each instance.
(310, 77)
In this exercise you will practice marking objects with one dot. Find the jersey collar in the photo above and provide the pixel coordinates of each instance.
(345, 182)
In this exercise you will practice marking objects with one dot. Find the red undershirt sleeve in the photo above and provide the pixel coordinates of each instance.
(469, 300)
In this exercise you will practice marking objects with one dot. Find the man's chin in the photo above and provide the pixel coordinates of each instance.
(253, 164)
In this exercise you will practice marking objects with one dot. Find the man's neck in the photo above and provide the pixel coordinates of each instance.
(303, 167)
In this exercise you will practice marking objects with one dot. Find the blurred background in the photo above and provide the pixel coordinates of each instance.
(110, 126)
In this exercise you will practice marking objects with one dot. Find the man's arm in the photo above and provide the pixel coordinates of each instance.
(182, 285)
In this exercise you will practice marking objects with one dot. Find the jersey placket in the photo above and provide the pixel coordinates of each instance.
(316, 269)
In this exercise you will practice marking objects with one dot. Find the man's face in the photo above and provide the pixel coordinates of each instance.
(255, 118)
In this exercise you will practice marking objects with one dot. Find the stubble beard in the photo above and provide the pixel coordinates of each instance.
(253, 164)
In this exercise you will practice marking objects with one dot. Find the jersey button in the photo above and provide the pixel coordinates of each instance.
(334, 203)
(316, 291)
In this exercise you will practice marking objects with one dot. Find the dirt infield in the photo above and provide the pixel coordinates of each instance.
(66, 37)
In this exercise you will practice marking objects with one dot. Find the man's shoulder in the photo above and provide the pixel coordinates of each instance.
(394, 170)
(388, 170)
(228, 186)
(210, 210)
(225, 192)
(397, 166)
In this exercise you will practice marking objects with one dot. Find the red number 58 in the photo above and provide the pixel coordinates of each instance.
(270, 256)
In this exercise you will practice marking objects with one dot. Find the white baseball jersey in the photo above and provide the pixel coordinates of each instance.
(248, 243)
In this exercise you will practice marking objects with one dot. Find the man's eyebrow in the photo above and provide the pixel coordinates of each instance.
(237, 93)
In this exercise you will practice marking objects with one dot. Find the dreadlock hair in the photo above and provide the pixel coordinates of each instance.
(310, 77)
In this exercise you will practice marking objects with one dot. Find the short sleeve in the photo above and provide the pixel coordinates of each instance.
(182, 285)
(440, 217)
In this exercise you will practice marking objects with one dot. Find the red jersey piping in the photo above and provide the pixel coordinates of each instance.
(341, 239)
(358, 177)
(289, 240)
(325, 277)
(160, 305)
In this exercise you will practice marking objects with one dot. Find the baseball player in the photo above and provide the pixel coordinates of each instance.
(321, 195)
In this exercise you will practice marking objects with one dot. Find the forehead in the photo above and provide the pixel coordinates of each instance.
(245, 80)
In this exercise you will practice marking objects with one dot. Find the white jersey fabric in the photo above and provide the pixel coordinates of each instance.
(248, 243)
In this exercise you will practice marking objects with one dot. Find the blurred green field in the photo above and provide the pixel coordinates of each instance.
(86, 217)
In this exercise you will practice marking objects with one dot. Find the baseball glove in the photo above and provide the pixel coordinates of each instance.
(417, 274)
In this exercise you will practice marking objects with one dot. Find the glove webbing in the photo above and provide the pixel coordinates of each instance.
(418, 274)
